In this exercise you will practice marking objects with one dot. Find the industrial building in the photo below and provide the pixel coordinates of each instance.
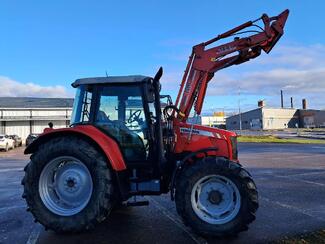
(217, 119)
(312, 118)
(24, 116)
(264, 118)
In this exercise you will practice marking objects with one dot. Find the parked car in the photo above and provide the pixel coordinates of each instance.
(6, 143)
(30, 138)
(17, 139)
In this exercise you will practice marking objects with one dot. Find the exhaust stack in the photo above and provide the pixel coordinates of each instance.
(304, 103)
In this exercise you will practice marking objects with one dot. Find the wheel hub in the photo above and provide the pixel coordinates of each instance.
(215, 197)
(65, 186)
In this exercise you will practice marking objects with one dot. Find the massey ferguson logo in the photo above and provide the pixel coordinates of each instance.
(187, 130)
(195, 131)
(224, 49)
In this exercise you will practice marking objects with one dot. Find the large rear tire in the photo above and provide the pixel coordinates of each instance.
(68, 186)
(216, 197)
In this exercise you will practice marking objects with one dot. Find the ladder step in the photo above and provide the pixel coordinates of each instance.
(136, 204)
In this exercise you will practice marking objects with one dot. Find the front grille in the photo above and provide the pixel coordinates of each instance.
(233, 140)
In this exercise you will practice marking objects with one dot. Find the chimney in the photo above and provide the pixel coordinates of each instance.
(261, 103)
(304, 103)
(281, 99)
(291, 101)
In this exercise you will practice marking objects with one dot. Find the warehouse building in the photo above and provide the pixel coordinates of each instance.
(217, 119)
(311, 118)
(24, 116)
(264, 118)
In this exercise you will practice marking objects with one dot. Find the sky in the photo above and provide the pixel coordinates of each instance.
(46, 45)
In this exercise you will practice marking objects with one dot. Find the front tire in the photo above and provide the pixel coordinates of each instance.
(68, 186)
(216, 197)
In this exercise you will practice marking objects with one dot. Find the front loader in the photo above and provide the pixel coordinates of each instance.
(127, 140)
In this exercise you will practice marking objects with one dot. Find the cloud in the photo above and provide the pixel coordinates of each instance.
(296, 69)
(297, 56)
(270, 82)
(12, 88)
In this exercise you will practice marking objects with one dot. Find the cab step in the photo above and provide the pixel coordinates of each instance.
(137, 203)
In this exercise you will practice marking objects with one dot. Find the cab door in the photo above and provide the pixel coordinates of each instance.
(122, 116)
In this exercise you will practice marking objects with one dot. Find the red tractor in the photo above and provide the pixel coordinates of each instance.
(126, 140)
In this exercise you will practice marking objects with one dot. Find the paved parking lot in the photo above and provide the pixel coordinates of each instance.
(290, 179)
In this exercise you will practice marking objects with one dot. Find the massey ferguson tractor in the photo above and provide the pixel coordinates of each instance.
(126, 140)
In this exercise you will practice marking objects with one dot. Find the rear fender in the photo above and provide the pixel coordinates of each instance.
(108, 146)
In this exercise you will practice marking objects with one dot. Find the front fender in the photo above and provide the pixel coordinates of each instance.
(103, 142)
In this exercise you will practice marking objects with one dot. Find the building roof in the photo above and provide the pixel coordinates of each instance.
(35, 102)
(111, 79)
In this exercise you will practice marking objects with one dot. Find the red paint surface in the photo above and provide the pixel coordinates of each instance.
(196, 141)
(107, 144)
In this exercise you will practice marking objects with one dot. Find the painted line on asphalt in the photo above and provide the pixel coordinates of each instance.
(12, 169)
(289, 177)
(312, 182)
(290, 207)
(300, 180)
(307, 173)
(318, 147)
(307, 181)
(33, 237)
(5, 209)
(197, 239)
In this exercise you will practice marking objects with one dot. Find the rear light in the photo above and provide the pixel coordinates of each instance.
(233, 140)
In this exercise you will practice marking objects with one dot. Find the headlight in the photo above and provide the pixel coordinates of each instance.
(233, 140)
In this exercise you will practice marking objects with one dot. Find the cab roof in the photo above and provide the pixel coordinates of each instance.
(111, 80)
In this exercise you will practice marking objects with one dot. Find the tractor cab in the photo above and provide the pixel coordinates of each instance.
(124, 108)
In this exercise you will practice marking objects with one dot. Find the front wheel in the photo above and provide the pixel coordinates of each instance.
(68, 186)
(216, 197)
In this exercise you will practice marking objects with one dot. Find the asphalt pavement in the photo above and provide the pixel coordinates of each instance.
(290, 179)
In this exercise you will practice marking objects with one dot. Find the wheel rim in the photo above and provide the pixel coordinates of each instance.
(215, 199)
(65, 186)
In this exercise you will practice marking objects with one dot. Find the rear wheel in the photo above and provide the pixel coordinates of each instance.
(68, 186)
(216, 197)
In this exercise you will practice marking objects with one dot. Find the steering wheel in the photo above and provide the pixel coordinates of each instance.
(134, 116)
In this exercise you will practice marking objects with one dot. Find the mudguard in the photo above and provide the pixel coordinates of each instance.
(105, 143)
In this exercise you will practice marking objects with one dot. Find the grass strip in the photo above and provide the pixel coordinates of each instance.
(274, 139)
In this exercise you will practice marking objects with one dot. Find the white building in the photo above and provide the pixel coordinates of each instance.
(23, 116)
(217, 119)
(213, 121)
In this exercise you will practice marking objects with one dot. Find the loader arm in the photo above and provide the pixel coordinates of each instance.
(204, 62)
